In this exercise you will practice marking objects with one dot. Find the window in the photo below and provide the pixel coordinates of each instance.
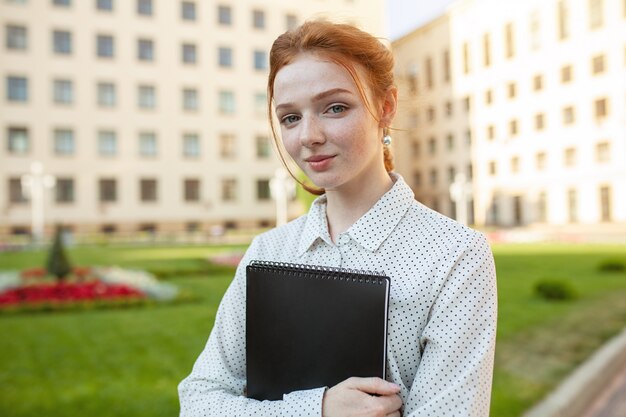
(538, 83)
(535, 31)
(451, 174)
(189, 53)
(225, 57)
(147, 144)
(16, 191)
(417, 178)
(260, 104)
(145, 50)
(511, 90)
(106, 5)
(428, 68)
(107, 190)
(190, 99)
(433, 176)
(107, 143)
(188, 10)
(258, 19)
(603, 152)
(260, 60)
(62, 91)
(291, 21)
(191, 190)
(147, 190)
(224, 15)
(107, 96)
(486, 50)
(540, 161)
(493, 168)
(563, 19)
(605, 203)
(600, 109)
(191, 145)
(63, 142)
(263, 190)
(146, 97)
(16, 37)
(105, 46)
(597, 64)
(415, 148)
(566, 74)
(468, 137)
(540, 122)
(430, 112)
(64, 3)
(466, 58)
(62, 42)
(488, 97)
(227, 102)
(467, 103)
(596, 14)
(448, 108)
(228, 146)
(570, 157)
(229, 189)
(572, 205)
(432, 146)
(515, 164)
(64, 190)
(491, 132)
(450, 141)
(542, 207)
(17, 141)
(509, 45)
(446, 65)
(263, 147)
(513, 130)
(144, 7)
(568, 115)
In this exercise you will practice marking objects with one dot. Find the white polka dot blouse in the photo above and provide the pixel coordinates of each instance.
(442, 312)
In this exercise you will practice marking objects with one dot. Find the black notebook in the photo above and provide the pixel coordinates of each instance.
(310, 327)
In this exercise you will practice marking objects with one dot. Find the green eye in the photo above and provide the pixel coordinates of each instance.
(337, 108)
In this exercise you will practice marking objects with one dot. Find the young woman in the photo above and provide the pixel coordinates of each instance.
(331, 89)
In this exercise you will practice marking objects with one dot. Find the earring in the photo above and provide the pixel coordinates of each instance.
(386, 137)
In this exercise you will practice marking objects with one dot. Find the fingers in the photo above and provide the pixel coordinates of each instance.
(373, 386)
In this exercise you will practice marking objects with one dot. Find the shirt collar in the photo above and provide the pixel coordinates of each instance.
(371, 230)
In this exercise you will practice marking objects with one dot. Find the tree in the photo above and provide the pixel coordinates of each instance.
(58, 263)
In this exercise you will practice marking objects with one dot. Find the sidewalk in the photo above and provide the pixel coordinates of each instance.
(612, 402)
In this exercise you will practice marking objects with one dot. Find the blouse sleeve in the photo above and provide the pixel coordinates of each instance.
(217, 382)
(456, 369)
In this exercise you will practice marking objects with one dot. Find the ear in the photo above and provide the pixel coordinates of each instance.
(389, 107)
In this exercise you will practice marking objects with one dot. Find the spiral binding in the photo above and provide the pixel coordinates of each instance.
(329, 272)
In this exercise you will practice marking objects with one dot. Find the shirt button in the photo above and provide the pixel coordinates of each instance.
(343, 239)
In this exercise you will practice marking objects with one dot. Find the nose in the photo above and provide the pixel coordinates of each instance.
(311, 132)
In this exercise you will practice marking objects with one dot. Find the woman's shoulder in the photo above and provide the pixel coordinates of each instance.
(279, 242)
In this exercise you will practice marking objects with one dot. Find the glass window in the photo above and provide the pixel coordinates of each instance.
(189, 53)
(62, 42)
(229, 189)
(191, 145)
(511, 90)
(448, 108)
(542, 207)
(535, 31)
(263, 147)
(258, 19)
(566, 73)
(225, 57)
(540, 122)
(597, 64)
(563, 19)
(144, 7)
(486, 50)
(493, 168)
(228, 146)
(16, 37)
(491, 132)
(260, 60)
(17, 88)
(603, 152)
(538, 82)
(488, 97)
(188, 10)
(570, 157)
(18, 142)
(145, 50)
(63, 91)
(596, 14)
(432, 146)
(104, 5)
(146, 97)
(147, 144)
(61, 2)
(263, 190)
(428, 67)
(63, 142)
(64, 190)
(260, 104)
(107, 143)
(446, 65)
(450, 141)
(224, 15)
(227, 102)
(568, 115)
(190, 99)
(605, 204)
(466, 58)
(601, 108)
(16, 191)
(107, 190)
(513, 130)
(191, 189)
(148, 190)
(433, 176)
(107, 95)
(105, 46)
(515, 164)
(540, 160)
(509, 51)
(572, 205)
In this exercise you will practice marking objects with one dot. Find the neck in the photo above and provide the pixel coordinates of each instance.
(347, 205)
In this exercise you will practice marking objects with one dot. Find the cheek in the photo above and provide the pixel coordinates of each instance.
(289, 143)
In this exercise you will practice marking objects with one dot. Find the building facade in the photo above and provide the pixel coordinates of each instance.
(150, 114)
(528, 100)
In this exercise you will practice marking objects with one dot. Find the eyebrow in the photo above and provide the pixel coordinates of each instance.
(319, 96)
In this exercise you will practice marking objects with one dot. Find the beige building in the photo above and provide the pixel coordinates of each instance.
(528, 99)
(150, 114)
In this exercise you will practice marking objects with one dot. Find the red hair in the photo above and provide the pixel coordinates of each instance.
(345, 45)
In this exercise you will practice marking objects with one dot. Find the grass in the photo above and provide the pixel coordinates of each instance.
(128, 362)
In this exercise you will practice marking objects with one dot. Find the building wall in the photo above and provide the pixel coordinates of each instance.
(168, 121)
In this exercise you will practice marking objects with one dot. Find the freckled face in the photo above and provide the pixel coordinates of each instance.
(325, 125)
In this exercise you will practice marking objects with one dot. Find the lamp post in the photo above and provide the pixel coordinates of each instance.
(460, 193)
(34, 186)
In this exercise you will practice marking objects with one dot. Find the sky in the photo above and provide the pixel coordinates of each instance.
(405, 15)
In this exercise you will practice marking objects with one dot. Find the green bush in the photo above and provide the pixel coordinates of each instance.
(58, 263)
(612, 265)
(555, 290)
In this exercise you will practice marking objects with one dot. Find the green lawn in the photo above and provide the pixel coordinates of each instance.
(127, 362)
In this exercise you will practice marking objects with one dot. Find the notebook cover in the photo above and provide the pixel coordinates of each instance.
(310, 327)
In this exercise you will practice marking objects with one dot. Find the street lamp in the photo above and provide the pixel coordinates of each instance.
(34, 186)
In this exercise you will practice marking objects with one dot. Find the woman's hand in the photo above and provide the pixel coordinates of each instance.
(363, 397)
